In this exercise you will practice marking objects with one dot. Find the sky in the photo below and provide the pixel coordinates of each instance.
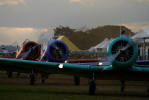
(28, 19)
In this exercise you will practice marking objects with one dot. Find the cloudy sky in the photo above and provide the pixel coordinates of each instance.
(20, 19)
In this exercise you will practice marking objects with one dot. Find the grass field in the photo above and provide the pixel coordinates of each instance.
(61, 87)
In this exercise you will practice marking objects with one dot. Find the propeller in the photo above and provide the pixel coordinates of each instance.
(29, 52)
(57, 51)
(120, 50)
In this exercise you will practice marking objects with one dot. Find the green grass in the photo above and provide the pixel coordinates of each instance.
(53, 92)
(58, 96)
(25, 92)
(61, 88)
(41, 96)
(46, 96)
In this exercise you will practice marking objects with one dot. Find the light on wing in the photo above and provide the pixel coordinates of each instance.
(60, 66)
(100, 63)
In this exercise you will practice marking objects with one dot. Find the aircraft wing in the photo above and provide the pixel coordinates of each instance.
(48, 67)
(136, 72)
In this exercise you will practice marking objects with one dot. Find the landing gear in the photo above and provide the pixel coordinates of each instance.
(18, 74)
(77, 80)
(44, 76)
(42, 81)
(148, 88)
(122, 85)
(92, 85)
(9, 74)
(32, 78)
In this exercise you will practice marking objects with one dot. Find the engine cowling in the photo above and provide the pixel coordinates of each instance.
(57, 51)
(124, 51)
(30, 51)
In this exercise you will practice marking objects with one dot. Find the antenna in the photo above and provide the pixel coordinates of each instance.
(122, 32)
(120, 28)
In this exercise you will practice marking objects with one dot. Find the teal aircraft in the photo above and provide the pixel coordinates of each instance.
(122, 55)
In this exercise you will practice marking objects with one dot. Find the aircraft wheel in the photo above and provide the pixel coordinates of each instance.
(9, 74)
(18, 74)
(122, 86)
(92, 88)
(77, 80)
(44, 76)
(32, 78)
(92, 84)
(42, 81)
(148, 89)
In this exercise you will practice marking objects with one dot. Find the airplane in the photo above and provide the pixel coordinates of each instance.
(122, 55)
(30, 50)
(56, 51)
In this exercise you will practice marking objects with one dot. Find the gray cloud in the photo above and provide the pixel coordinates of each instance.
(143, 0)
(74, 13)
(10, 35)
(11, 2)
(137, 26)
